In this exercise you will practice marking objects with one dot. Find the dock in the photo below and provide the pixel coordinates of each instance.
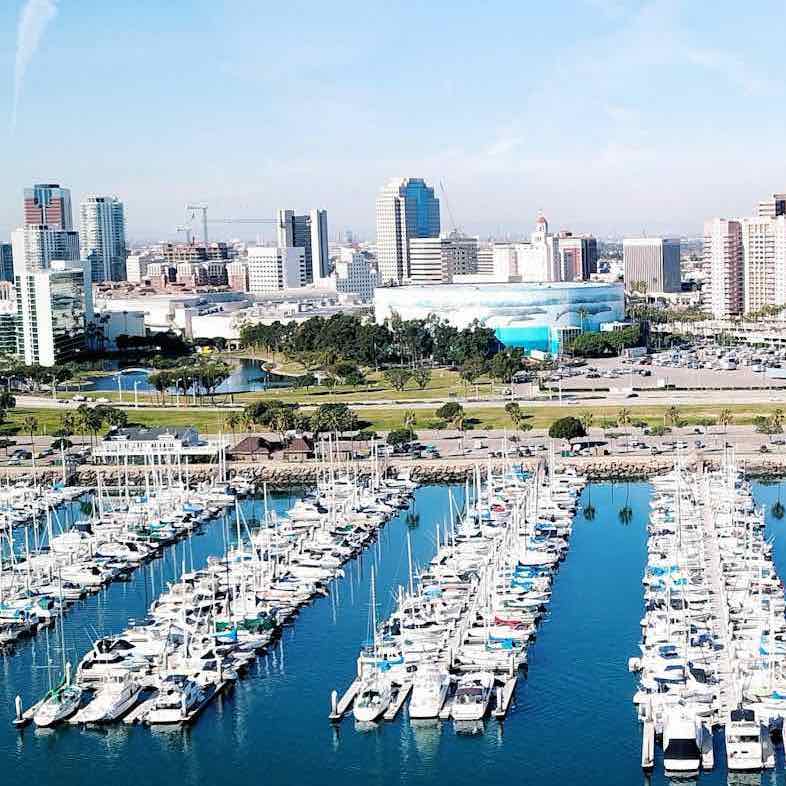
(22, 719)
(648, 745)
(504, 695)
(339, 708)
(398, 702)
(707, 749)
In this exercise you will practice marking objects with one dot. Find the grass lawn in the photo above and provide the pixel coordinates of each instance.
(384, 419)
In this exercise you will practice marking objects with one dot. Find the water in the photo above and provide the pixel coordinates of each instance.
(572, 721)
(247, 376)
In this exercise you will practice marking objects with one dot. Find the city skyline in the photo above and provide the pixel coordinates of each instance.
(492, 125)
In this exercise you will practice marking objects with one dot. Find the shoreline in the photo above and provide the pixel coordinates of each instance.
(285, 474)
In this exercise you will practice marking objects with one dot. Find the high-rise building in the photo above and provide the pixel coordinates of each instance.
(102, 234)
(578, 256)
(53, 309)
(308, 231)
(723, 261)
(436, 260)
(50, 205)
(773, 206)
(271, 269)
(35, 246)
(6, 262)
(406, 208)
(758, 250)
(652, 264)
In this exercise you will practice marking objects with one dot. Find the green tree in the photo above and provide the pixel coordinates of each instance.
(397, 378)
(505, 365)
(672, 416)
(422, 377)
(472, 369)
(449, 410)
(568, 428)
(624, 420)
(400, 436)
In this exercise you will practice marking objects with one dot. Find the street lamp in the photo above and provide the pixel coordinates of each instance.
(177, 392)
(119, 387)
(136, 394)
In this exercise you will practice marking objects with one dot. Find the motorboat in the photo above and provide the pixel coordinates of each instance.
(177, 697)
(743, 741)
(112, 700)
(429, 690)
(473, 696)
(681, 753)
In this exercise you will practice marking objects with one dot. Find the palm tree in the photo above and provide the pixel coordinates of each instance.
(30, 426)
(777, 418)
(624, 420)
(459, 423)
(587, 418)
(232, 422)
(410, 419)
(725, 418)
(672, 416)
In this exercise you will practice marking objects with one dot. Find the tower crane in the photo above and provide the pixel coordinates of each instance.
(447, 205)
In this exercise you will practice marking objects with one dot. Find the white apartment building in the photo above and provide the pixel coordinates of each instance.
(758, 244)
(35, 246)
(723, 259)
(406, 208)
(102, 234)
(353, 274)
(271, 269)
(652, 263)
(485, 260)
(54, 306)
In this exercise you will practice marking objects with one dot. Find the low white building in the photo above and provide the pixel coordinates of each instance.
(273, 268)
(354, 274)
(141, 444)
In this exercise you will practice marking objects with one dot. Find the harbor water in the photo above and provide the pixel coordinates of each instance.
(572, 720)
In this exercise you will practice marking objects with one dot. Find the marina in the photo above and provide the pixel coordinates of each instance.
(459, 634)
(578, 655)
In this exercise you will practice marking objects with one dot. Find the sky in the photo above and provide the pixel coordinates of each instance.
(612, 116)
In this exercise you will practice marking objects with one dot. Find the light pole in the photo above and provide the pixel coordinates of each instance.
(54, 388)
(177, 392)
(136, 394)
(119, 387)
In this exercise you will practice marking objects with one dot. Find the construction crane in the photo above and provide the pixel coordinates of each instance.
(447, 205)
(203, 209)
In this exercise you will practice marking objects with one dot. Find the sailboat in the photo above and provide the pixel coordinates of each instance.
(63, 700)
(375, 691)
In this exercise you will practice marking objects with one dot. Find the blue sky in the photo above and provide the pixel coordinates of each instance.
(612, 116)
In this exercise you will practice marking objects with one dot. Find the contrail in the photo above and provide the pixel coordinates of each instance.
(33, 21)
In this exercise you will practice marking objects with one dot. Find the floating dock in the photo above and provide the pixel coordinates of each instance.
(504, 695)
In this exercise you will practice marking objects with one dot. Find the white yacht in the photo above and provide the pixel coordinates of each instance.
(681, 754)
(743, 741)
(473, 696)
(429, 690)
(112, 700)
(177, 696)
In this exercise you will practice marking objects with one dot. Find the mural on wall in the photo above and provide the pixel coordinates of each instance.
(529, 316)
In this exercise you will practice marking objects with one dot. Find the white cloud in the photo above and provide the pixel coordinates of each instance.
(33, 21)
